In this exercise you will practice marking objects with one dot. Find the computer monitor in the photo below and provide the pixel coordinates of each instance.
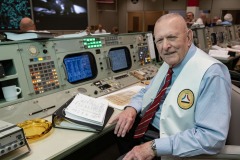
(60, 14)
(80, 67)
(120, 59)
(12, 12)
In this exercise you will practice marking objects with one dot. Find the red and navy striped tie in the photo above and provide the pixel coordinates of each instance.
(147, 117)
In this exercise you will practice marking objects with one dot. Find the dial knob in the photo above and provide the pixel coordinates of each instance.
(33, 50)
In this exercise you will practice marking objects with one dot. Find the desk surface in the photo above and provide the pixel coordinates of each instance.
(60, 142)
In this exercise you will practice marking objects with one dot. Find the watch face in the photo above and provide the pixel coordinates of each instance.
(153, 145)
(154, 148)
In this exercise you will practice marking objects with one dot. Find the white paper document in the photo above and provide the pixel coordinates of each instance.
(121, 98)
(27, 35)
(219, 54)
(87, 109)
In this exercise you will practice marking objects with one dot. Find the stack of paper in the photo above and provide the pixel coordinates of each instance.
(27, 35)
(219, 54)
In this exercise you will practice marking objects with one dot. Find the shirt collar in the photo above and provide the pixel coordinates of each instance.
(177, 69)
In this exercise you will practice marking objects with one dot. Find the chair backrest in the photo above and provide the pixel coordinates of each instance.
(232, 148)
(234, 130)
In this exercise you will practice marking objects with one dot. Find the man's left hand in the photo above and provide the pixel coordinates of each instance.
(141, 152)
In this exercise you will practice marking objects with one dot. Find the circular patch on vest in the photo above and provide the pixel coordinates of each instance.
(185, 99)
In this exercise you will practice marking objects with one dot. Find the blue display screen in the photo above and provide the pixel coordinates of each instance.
(79, 68)
(120, 59)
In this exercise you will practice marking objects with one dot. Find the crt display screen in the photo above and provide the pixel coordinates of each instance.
(80, 67)
(12, 12)
(120, 59)
(60, 14)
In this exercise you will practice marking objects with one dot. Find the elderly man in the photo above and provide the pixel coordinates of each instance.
(187, 102)
(190, 19)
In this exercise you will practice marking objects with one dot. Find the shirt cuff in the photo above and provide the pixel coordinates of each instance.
(136, 106)
(163, 146)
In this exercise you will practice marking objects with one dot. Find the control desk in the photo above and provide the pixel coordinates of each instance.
(222, 36)
(51, 71)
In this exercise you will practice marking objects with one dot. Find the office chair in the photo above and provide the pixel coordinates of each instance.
(235, 77)
(232, 147)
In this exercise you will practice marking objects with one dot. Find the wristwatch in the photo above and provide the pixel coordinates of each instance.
(154, 148)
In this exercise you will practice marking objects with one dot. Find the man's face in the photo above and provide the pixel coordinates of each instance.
(190, 16)
(172, 40)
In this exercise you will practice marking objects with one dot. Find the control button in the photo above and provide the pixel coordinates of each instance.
(21, 143)
(33, 50)
(2, 151)
(14, 145)
(45, 51)
(95, 92)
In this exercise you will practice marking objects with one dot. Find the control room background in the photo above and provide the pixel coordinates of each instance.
(127, 15)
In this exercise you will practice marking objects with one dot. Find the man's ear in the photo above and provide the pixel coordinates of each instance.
(190, 37)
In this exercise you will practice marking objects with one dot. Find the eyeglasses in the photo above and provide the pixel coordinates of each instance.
(169, 39)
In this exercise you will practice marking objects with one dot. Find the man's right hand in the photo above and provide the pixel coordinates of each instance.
(124, 121)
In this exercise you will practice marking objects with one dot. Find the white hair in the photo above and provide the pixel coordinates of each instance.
(228, 17)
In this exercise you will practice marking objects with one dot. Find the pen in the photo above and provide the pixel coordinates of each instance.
(42, 110)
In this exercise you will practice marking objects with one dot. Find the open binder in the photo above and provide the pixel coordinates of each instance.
(59, 120)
